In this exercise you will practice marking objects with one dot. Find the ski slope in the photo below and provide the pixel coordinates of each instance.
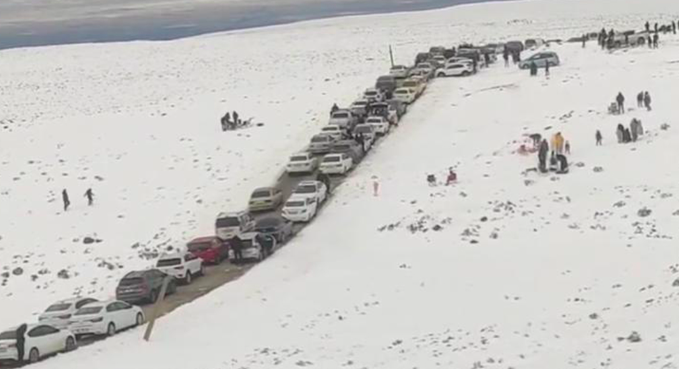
(504, 269)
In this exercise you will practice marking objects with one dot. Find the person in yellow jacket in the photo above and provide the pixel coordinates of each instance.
(557, 143)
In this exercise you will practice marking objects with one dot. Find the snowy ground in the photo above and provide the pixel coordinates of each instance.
(502, 270)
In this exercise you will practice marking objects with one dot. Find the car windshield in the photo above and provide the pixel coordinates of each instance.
(319, 139)
(299, 158)
(360, 103)
(342, 147)
(8, 335)
(131, 281)
(228, 222)
(340, 115)
(199, 246)
(370, 93)
(169, 262)
(364, 129)
(409, 84)
(331, 159)
(58, 307)
(374, 120)
(89, 310)
(268, 222)
(330, 128)
(306, 189)
(261, 193)
(294, 204)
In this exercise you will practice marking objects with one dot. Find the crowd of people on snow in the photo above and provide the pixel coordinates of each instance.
(229, 124)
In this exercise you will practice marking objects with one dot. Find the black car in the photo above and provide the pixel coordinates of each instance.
(276, 226)
(143, 286)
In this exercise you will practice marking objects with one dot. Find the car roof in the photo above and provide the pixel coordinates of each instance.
(205, 238)
(70, 300)
(100, 303)
(301, 153)
(341, 111)
(231, 214)
(333, 126)
(136, 274)
(171, 255)
(307, 182)
(269, 188)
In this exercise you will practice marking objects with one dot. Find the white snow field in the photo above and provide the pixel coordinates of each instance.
(505, 269)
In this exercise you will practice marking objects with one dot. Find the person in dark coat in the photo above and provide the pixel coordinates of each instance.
(656, 37)
(674, 27)
(475, 65)
(598, 137)
(542, 155)
(90, 197)
(647, 100)
(334, 108)
(619, 133)
(640, 99)
(325, 179)
(648, 27)
(226, 121)
(505, 56)
(620, 99)
(237, 246)
(64, 197)
(655, 27)
(562, 167)
(626, 136)
(546, 69)
(21, 342)
(649, 40)
(265, 242)
(533, 69)
(236, 121)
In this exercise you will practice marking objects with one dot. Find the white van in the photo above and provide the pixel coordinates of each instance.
(232, 224)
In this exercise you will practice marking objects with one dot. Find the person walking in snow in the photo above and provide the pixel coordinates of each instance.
(598, 137)
(633, 130)
(567, 147)
(640, 99)
(619, 132)
(647, 100)
(620, 99)
(334, 108)
(64, 197)
(656, 37)
(505, 56)
(90, 197)
(648, 27)
(20, 337)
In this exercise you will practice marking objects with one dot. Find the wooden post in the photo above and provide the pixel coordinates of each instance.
(156, 308)
(391, 56)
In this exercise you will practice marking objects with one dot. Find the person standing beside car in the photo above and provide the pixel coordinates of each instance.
(237, 247)
(21, 342)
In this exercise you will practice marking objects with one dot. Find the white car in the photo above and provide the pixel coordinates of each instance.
(360, 107)
(58, 314)
(459, 59)
(380, 125)
(299, 209)
(107, 318)
(404, 95)
(230, 224)
(373, 95)
(302, 162)
(455, 70)
(416, 84)
(336, 164)
(334, 131)
(252, 247)
(40, 340)
(311, 189)
(343, 118)
(399, 71)
(439, 59)
(181, 265)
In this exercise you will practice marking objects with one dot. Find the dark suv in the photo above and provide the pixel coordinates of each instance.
(143, 286)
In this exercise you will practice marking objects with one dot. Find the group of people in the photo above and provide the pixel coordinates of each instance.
(644, 100)
(266, 242)
(607, 39)
(626, 135)
(451, 179)
(515, 54)
(557, 161)
(228, 124)
(67, 201)
(534, 69)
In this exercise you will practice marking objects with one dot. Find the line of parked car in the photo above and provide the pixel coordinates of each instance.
(335, 150)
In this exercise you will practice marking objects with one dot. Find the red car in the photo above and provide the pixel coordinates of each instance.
(211, 249)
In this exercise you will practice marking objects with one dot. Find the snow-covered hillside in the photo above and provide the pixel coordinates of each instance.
(504, 269)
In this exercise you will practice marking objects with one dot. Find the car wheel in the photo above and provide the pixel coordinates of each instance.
(70, 344)
(188, 278)
(140, 320)
(34, 356)
(111, 329)
(465, 73)
(440, 75)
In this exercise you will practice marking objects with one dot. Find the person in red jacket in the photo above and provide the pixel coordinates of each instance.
(452, 177)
